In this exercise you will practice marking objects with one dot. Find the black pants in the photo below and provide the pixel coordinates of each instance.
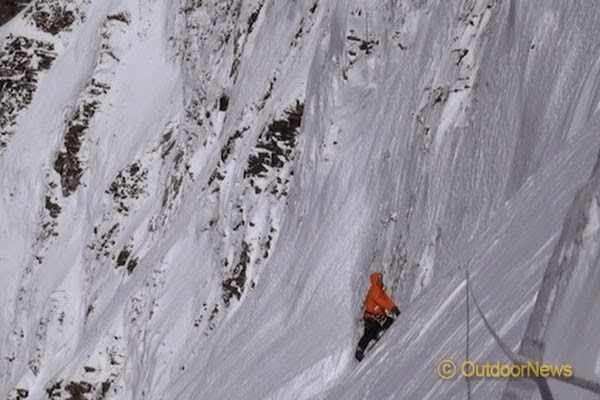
(372, 329)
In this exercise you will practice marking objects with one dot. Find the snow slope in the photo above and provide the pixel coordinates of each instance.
(194, 193)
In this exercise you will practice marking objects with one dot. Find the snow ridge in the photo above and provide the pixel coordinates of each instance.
(194, 193)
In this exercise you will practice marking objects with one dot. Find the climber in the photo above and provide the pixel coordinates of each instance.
(376, 320)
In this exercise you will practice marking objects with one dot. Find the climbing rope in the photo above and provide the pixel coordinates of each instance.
(468, 332)
(542, 383)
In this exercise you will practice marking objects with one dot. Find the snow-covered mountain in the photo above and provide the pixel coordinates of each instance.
(193, 194)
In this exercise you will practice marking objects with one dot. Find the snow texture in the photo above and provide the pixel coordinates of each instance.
(193, 194)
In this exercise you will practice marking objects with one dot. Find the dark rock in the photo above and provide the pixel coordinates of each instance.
(10, 8)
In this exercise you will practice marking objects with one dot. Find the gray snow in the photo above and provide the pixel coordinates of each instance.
(193, 194)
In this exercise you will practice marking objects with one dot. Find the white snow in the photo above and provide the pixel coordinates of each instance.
(209, 247)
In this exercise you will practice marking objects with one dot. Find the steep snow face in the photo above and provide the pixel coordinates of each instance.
(564, 315)
(147, 154)
(78, 162)
(193, 193)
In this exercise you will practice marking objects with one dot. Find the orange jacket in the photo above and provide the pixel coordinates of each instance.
(377, 302)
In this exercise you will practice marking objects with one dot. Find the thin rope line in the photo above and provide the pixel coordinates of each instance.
(541, 382)
(468, 332)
